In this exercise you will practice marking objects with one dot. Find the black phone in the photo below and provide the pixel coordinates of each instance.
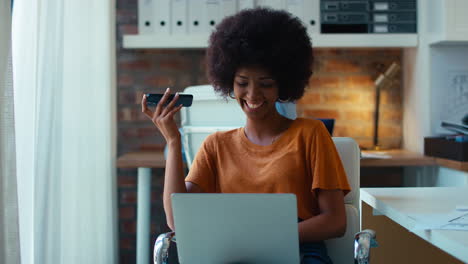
(184, 99)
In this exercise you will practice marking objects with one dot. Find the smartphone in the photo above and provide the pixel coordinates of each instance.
(184, 99)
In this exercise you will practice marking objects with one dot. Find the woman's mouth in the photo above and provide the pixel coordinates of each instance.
(253, 106)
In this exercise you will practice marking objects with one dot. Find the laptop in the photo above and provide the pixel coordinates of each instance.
(236, 228)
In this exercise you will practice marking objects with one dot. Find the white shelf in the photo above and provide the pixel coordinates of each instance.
(165, 41)
(318, 40)
(365, 40)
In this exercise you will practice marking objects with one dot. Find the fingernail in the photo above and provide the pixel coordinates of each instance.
(167, 90)
(176, 94)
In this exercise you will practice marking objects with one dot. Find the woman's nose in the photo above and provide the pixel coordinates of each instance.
(253, 91)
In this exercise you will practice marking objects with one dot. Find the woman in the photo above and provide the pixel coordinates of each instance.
(260, 56)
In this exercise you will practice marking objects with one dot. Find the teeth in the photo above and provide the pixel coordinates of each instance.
(253, 106)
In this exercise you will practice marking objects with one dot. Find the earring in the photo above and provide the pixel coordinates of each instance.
(283, 101)
(231, 94)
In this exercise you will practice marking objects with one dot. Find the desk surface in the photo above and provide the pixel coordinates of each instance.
(398, 158)
(398, 203)
(145, 159)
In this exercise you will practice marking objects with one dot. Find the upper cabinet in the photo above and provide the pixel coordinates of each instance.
(330, 23)
(448, 21)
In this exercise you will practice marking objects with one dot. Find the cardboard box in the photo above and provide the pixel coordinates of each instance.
(441, 147)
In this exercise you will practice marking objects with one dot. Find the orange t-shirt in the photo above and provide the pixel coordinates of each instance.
(302, 159)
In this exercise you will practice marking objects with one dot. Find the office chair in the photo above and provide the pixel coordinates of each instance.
(208, 115)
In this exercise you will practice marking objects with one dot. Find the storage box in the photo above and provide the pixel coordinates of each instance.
(446, 148)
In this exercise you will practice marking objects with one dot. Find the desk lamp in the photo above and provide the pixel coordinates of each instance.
(382, 81)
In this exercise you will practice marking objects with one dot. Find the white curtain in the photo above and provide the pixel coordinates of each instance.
(9, 233)
(65, 96)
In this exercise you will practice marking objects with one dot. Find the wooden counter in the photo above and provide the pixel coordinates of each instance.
(146, 159)
(453, 164)
(395, 158)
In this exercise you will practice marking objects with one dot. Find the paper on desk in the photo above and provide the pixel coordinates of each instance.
(455, 220)
(374, 155)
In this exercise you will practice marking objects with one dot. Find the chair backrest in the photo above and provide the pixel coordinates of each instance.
(210, 113)
(341, 250)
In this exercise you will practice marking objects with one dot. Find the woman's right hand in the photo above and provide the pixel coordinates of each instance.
(163, 116)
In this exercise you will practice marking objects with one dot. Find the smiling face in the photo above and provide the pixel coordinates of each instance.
(256, 92)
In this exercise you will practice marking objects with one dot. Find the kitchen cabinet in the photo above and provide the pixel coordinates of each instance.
(448, 21)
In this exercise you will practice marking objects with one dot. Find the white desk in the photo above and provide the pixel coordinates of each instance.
(398, 203)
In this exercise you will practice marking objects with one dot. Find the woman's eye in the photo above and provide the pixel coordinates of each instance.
(242, 84)
(267, 85)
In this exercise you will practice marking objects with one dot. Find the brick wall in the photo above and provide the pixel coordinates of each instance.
(341, 88)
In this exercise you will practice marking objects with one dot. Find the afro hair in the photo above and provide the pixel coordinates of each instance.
(272, 39)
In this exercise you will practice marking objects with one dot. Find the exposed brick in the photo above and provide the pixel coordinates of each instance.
(128, 132)
(127, 97)
(324, 82)
(372, 52)
(127, 256)
(127, 212)
(361, 52)
(127, 4)
(152, 147)
(128, 197)
(341, 98)
(161, 51)
(341, 65)
(127, 242)
(125, 80)
(159, 81)
(310, 98)
(156, 197)
(368, 99)
(352, 130)
(135, 65)
(389, 131)
(126, 16)
(125, 114)
(148, 132)
(320, 52)
(359, 82)
(202, 80)
(126, 181)
(173, 64)
(132, 114)
(128, 29)
(358, 115)
(390, 143)
(390, 98)
(128, 227)
(391, 115)
(316, 113)
(202, 64)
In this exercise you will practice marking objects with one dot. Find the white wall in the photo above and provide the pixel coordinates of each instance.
(448, 102)
(425, 75)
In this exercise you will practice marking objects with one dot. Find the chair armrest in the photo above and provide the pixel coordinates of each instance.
(363, 242)
(161, 247)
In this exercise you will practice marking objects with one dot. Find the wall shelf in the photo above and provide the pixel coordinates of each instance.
(200, 41)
